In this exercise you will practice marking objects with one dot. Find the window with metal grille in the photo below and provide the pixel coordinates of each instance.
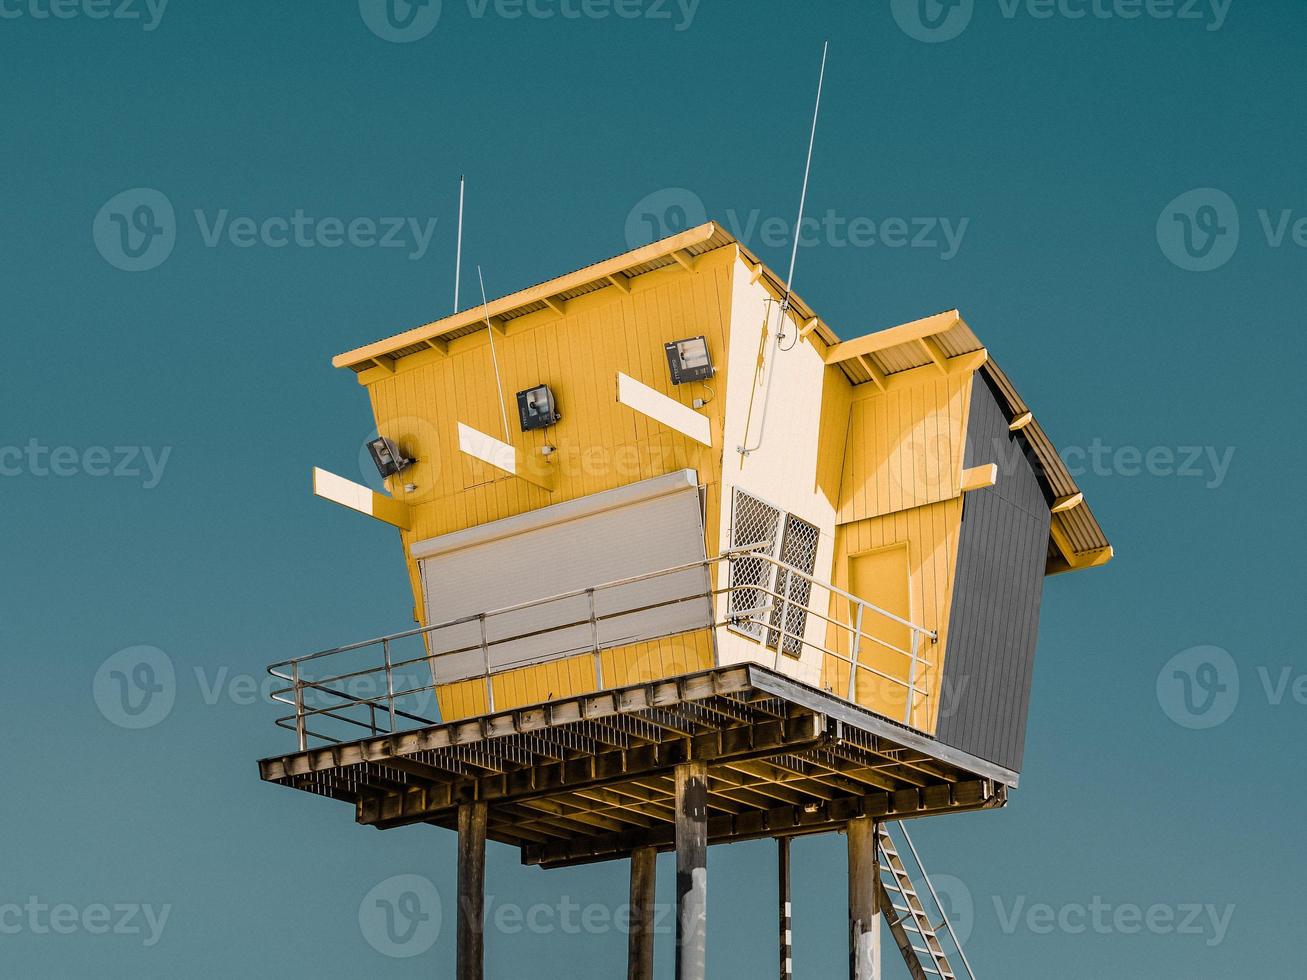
(792, 540)
(754, 524)
(799, 549)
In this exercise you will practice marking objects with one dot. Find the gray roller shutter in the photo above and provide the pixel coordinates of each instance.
(607, 537)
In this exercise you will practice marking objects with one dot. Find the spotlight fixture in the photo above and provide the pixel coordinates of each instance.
(388, 457)
(536, 409)
(689, 360)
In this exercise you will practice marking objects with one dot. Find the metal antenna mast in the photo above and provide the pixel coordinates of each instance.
(490, 332)
(745, 450)
(803, 195)
(458, 254)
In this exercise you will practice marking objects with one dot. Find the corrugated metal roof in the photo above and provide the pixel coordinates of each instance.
(1077, 525)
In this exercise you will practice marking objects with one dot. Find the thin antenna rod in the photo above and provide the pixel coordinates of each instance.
(746, 449)
(490, 332)
(458, 254)
(807, 169)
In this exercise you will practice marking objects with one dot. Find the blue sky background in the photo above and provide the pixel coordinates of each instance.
(1060, 141)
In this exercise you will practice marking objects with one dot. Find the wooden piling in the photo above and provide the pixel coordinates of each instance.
(864, 900)
(640, 938)
(691, 870)
(471, 890)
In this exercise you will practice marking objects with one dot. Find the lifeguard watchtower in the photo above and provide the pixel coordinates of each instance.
(688, 569)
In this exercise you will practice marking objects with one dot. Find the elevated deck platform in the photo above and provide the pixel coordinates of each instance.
(591, 778)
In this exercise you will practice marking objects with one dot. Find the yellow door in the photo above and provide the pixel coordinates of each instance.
(882, 578)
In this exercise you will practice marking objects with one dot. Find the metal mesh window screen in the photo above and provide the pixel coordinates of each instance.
(752, 523)
(798, 548)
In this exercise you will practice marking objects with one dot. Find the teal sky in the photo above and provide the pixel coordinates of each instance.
(1038, 162)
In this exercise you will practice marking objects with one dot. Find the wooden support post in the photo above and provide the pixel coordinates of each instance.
(783, 906)
(640, 937)
(471, 890)
(864, 900)
(691, 870)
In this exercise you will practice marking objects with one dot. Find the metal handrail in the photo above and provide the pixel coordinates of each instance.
(773, 632)
(946, 922)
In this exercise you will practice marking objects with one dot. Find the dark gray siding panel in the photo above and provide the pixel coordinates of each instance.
(994, 621)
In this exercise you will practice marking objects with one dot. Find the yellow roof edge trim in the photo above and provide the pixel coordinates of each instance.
(894, 336)
(610, 271)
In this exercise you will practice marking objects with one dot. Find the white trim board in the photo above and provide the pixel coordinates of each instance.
(356, 496)
(664, 410)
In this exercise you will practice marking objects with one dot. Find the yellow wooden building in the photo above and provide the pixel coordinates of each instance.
(885, 506)
(687, 568)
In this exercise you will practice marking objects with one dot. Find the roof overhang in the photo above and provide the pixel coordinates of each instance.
(1075, 538)
(616, 273)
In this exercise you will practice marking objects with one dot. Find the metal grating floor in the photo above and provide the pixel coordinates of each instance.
(591, 778)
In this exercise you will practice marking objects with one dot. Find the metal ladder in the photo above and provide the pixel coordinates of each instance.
(904, 897)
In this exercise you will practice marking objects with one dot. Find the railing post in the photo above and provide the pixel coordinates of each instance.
(594, 642)
(485, 659)
(300, 731)
(853, 657)
(912, 678)
(782, 636)
(390, 683)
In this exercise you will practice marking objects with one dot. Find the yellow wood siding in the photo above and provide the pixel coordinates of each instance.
(634, 664)
(900, 485)
(833, 435)
(931, 536)
(905, 446)
(599, 443)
